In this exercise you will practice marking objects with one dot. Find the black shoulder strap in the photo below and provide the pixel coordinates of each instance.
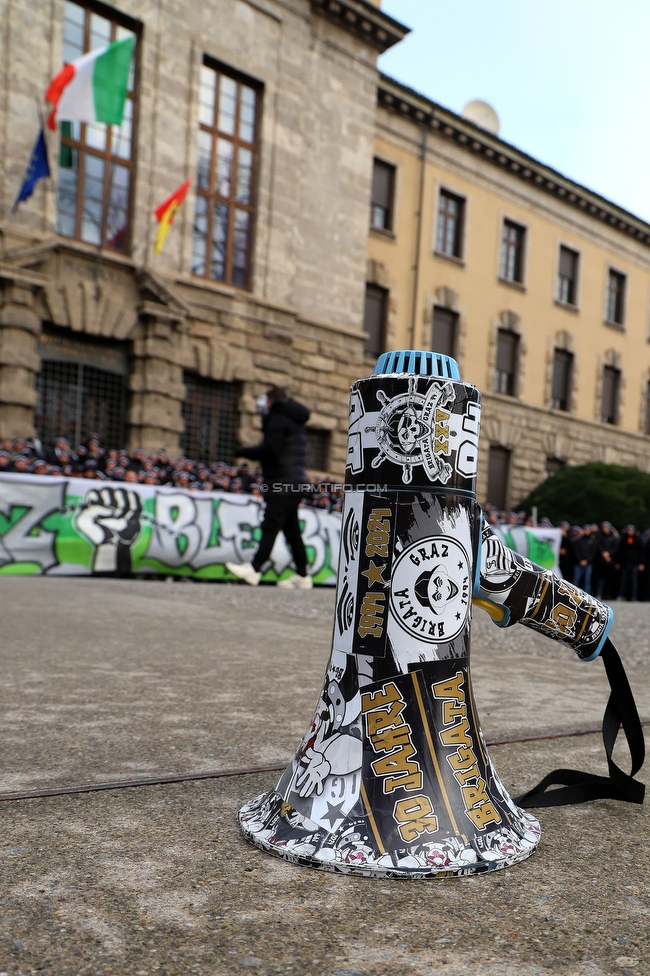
(577, 787)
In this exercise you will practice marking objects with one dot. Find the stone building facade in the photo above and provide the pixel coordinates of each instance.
(539, 288)
(280, 300)
(261, 279)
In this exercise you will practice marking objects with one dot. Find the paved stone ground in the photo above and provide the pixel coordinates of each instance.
(105, 680)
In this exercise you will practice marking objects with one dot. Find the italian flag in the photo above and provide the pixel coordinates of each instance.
(165, 214)
(92, 88)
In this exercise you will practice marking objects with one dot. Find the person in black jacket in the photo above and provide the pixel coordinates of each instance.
(567, 559)
(282, 453)
(629, 559)
(584, 552)
(607, 545)
(644, 574)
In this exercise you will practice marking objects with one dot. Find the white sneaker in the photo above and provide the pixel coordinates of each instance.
(295, 583)
(245, 572)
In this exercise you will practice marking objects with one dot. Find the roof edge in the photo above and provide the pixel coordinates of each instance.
(399, 98)
(363, 19)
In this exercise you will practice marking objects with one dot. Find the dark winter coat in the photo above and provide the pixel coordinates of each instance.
(608, 541)
(283, 451)
(630, 551)
(584, 548)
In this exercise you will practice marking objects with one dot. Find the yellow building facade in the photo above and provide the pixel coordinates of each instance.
(537, 286)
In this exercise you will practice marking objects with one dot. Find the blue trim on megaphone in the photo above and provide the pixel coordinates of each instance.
(477, 568)
(418, 362)
(603, 638)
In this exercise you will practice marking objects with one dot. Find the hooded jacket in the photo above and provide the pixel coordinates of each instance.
(630, 551)
(608, 541)
(283, 450)
(584, 547)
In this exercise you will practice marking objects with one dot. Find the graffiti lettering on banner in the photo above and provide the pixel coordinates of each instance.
(76, 527)
(24, 540)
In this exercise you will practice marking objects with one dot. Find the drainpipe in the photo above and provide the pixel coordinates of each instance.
(418, 242)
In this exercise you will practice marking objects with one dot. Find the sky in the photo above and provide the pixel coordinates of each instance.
(569, 79)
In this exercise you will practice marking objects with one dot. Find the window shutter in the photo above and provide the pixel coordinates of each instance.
(382, 184)
(498, 473)
(443, 338)
(562, 363)
(507, 351)
(568, 260)
(610, 394)
(374, 319)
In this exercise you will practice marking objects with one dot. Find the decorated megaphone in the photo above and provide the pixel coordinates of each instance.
(392, 777)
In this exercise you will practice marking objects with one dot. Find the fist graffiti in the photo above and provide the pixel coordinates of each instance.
(110, 518)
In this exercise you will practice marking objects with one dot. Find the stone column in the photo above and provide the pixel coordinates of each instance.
(156, 381)
(19, 361)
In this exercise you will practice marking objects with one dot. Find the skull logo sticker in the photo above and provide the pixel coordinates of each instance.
(412, 429)
(431, 591)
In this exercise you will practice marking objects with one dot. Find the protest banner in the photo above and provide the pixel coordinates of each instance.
(541, 546)
(82, 527)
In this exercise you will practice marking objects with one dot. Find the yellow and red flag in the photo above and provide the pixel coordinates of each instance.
(166, 212)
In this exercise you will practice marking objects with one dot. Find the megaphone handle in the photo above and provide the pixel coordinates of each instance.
(578, 787)
(498, 613)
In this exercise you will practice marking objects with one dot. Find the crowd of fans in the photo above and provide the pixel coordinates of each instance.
(596, 558)
(607, 564)
(91, 460)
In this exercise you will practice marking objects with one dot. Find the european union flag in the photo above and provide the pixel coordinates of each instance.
(37, 168)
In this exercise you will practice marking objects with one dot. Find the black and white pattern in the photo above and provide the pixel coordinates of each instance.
(406, 430)
(413, 431)
(538, 599)
(431, 592)
(424, 800)
(322, 783)
(430, 602)
(500, 568)
(392, 778)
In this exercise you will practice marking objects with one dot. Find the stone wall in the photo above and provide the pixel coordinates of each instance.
(170, 327)
(317, 128)
(534, 434)
(300, 325)
(19, 361)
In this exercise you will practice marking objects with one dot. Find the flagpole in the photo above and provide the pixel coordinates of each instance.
(50, 187)
(39, 112)
(37, 158)
(105, 211)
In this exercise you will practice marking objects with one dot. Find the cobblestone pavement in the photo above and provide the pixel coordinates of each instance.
(103, 680)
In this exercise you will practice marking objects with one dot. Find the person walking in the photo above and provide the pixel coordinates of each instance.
(282, 453)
